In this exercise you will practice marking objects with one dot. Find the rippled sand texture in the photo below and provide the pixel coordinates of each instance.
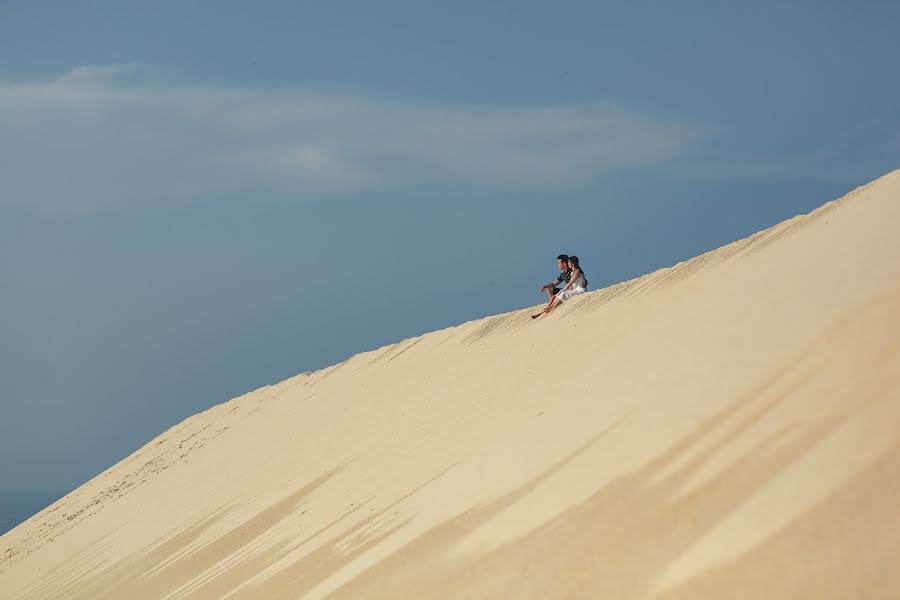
(725, 428)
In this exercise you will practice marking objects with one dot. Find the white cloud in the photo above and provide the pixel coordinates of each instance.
(92, 75)
(98, 136)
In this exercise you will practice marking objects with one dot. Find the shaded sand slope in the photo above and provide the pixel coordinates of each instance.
(725, 428)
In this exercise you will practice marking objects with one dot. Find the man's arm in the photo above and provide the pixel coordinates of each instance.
(551, 285)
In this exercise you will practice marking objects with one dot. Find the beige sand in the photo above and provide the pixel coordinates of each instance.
(725, 428)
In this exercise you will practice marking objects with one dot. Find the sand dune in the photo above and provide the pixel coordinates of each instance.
(725, 428)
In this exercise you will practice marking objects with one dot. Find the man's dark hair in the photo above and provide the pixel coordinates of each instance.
(563, 257)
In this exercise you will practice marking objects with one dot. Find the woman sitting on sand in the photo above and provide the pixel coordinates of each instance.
(577, 285)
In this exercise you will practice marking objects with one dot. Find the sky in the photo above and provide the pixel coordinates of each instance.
(199, 199)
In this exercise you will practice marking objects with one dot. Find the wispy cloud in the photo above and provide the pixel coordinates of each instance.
(109, 136)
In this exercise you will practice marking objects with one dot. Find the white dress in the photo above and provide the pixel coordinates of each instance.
(578, 288)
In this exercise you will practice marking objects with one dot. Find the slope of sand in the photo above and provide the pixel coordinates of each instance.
(725, 428)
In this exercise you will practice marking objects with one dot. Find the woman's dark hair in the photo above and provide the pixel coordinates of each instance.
(573, 260)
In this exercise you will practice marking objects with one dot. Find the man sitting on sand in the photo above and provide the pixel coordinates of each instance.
(565, 273)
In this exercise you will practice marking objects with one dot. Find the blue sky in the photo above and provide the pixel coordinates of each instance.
(198, 199)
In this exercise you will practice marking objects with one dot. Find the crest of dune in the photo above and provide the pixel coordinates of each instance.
(728, 427)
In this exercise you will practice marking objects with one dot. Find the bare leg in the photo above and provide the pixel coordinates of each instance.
(550, 296)
(554, 302)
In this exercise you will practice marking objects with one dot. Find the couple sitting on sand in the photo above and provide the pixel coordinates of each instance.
(569, 272)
